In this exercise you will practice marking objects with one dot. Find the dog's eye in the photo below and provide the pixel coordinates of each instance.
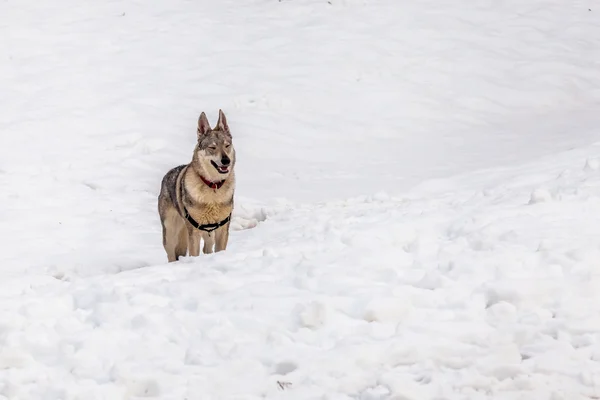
(212, 147)
(227, 146)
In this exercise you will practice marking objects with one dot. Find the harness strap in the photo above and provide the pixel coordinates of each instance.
(206, 227)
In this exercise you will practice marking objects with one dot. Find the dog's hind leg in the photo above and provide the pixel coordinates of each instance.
(193, 241)
(171, 226)
(169, 243)
(209, 242)
(182, 243)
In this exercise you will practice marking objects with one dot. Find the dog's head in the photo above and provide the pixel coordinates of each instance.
(215, 151)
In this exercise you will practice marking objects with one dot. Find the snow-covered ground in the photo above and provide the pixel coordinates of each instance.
(417, 213)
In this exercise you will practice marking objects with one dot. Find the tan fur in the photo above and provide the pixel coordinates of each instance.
(183, 187)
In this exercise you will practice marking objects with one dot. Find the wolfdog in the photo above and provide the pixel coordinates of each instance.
(196, 199)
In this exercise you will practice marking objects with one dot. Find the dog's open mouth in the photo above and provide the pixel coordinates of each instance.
(222, 169)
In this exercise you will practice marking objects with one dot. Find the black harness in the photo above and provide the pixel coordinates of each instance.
(205, 227)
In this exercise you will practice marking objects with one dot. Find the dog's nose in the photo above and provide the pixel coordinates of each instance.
(225, 160)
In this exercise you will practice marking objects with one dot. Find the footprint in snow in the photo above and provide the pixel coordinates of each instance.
(245, 218)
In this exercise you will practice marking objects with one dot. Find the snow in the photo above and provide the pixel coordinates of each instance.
(416, 216)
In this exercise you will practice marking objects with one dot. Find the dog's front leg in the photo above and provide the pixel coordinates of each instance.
(193, 242)
(221, 238)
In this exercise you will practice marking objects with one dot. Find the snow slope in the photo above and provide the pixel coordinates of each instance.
(421, 181)
(483, 293)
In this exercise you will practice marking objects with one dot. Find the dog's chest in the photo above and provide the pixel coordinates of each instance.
(208, 208)
(215, 210)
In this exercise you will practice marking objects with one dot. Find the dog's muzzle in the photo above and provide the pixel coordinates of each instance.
(224, 167)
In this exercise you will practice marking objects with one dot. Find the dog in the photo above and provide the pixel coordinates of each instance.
(196, 199)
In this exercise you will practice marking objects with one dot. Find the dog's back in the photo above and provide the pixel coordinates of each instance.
(168, 189)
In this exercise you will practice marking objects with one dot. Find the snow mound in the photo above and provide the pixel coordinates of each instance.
(480, 294)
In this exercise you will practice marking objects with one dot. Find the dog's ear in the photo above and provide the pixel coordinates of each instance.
(203, 125)
(222, 123)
